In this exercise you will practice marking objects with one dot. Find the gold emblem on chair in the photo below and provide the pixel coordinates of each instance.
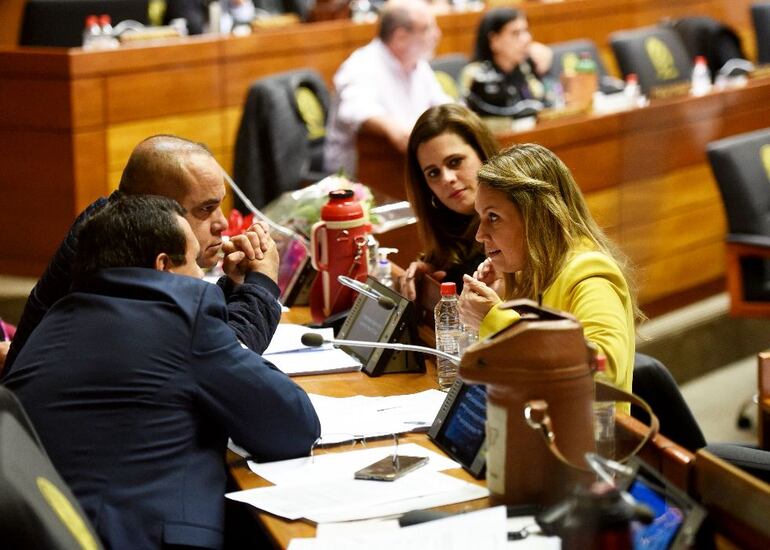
(764, 154)
(67, 513)
(311, 111)
(661, 58)
(447, 84)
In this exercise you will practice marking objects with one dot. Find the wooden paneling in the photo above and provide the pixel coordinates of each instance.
(90, 168)
(21, 100)
(10, 16)
(605, 208)
(160, 93)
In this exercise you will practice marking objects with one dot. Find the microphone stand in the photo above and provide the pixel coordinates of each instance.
(314, 340)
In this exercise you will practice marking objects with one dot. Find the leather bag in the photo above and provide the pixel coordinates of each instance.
(540, 393)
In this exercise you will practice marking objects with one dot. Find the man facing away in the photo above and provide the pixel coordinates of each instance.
(385, 86)
(187, 172)
(155, 383)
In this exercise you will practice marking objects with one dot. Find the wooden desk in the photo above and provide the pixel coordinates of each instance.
(645, 176)
(69, 118)
(661, 453)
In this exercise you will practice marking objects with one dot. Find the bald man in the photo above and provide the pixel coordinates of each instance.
(188, 173)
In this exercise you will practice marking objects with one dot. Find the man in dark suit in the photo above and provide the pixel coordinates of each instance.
(134, 382)
(188, 173)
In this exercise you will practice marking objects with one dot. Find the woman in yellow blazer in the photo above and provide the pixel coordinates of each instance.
(542, 243)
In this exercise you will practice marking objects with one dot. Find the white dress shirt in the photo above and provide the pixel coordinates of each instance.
(372, 82)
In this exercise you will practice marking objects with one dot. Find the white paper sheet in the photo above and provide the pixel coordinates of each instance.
(481, 529)
(311, 361)
(288, 337)
(346, 499)
(342, 465)
(361, 416)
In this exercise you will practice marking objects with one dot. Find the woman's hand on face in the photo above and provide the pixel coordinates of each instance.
(413, 273)
(487, 274)
(475, 301)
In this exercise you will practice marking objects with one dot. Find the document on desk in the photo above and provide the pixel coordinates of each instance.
(350, 499)
(292, 357)
(345, 418)
(481, 529)
(342, 465)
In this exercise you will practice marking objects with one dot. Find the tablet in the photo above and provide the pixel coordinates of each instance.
(677, 517)
(460, 426)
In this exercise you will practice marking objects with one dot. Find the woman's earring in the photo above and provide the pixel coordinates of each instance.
(433, 202)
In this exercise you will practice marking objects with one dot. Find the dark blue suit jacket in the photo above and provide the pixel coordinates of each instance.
(134, 381)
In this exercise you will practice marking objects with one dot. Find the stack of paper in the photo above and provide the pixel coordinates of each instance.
(345, 418)
(287, 352)
(322, 488)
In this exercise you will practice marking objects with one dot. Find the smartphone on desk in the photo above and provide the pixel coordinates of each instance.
(390, 469)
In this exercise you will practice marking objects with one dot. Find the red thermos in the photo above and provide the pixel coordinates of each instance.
(338, 247)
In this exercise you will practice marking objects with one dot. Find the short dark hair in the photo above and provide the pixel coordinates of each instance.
(492, 21)
(130, 231)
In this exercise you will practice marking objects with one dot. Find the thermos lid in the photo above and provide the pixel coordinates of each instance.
(342, 206)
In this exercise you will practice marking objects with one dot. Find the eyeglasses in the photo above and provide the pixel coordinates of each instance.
(343, 442)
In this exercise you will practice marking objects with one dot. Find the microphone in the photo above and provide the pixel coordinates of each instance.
(384, 301)
(314, 340)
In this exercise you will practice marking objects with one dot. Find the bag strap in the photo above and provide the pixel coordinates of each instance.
(537, 417)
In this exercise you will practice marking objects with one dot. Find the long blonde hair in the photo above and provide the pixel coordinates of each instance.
(555, 216)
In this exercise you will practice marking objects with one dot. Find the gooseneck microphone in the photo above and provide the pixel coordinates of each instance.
(384, 301)
(315, 340)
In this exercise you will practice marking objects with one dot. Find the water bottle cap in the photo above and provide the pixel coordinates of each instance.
(700, 60)
(448, 289)
(631, 78)
(601, 363)
(91, 20)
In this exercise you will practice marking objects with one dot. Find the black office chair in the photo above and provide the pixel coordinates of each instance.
(60, 22)
(760, 16)
(281, 136)
(447, 69)
(654, 383)
(712, 39)
(37, 509)
(656, 54)
(741, 166)
(566, 56)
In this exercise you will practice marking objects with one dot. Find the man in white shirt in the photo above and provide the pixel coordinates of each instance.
(385, 86)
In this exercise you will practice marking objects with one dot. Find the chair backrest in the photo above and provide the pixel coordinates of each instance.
(37, 509)
(60, 22)
(760, 16)
(281, 135)
(653, 382)
(656, 54)
(741, 166)
(448, 68)
(703, 35)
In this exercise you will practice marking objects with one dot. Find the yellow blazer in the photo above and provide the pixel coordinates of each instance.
(591, 287)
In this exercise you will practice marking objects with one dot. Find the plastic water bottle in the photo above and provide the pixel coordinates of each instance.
(383, 269)
(91, 32)
(700, 83)
(448, 329)
(604, 415)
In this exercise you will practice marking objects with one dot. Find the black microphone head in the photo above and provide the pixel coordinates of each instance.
(312, 339)
(386, 302)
